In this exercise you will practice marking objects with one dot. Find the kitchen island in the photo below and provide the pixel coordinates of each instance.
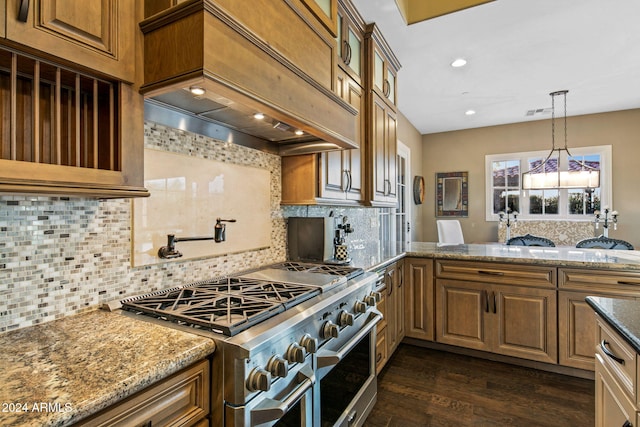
(60, 372)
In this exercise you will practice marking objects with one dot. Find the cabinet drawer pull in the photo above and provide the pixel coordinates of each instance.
(485, 294)
(624, 282)
(23, 10)
(627, 424)
(495, 310)
(603, 346)
(491, 273)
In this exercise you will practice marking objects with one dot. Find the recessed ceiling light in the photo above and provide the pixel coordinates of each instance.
(197, 90)
(459, 63)
(258, 116)
(299, 132)
(470, 112)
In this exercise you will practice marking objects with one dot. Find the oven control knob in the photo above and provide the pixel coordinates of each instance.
(360, 307)
(309, 343)
(345, 319)
(295, 353)
(278, 367)
(373, 298)
(330, 330)
(259, 379)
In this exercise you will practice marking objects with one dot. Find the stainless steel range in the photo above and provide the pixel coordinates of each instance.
(295, 342)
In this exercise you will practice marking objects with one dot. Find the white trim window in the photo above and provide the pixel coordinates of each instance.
(503, 174)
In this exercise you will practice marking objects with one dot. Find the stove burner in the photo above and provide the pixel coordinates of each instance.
(227, 305)
(338, 270)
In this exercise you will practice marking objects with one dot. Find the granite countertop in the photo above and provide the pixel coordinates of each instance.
(59, 372)
(562, 256)
(623, 315)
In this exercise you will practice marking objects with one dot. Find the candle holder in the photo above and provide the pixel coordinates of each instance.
(507, 219)
(607, 217)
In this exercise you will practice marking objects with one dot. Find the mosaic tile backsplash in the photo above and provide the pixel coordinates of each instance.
(61, 256)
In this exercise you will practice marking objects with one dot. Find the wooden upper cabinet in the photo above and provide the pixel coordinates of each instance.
(326, 12)
(351, 41)
(383, 66)
(99, 35)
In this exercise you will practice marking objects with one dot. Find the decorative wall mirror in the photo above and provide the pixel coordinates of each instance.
(452, 197)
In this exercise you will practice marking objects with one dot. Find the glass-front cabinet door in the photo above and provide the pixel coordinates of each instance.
(326, 12)
(350, 41)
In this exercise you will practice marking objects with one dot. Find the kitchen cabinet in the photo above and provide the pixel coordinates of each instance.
(419, 313)
(95, 35)
(326, 12)
(67, 132)
(383, 67)
(351, 41)
(616, 367)
(333, 177)
(181, 399)
(390, 330)
(499, 308)
(576, 324)
(381, 121)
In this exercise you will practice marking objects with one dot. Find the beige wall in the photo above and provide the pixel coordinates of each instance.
(464, 150)
(409, 136)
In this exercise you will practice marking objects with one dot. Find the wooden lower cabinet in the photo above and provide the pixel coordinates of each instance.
(179, 400)
(576, 324)
(391, 330)
(419, 315)
(509, 319)
(615, 380)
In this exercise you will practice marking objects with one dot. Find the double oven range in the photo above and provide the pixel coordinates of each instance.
(295, 342)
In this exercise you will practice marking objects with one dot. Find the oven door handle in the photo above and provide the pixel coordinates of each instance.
(273, 410)
(331, 358)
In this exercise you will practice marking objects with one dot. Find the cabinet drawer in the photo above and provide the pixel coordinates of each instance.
(489, 272)
(613, 406)
(381, 349)
(620, 282)
(618, 357)
(182, 399)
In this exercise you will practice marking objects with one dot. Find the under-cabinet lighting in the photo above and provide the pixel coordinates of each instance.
(299, 132)
(197, 90)
(258, 116)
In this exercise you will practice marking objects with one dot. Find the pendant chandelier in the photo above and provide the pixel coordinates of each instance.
(547, 175)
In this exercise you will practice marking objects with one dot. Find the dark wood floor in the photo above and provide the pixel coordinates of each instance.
(424, 387)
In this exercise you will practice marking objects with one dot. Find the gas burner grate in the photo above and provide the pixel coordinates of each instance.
(335, 269)
(228, 305)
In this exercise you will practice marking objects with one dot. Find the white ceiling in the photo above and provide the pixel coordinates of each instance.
(518, 51)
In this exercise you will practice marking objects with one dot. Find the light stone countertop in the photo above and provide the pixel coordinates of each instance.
(59, 372)
(561, 256)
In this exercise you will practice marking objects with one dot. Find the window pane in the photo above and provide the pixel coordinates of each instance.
(576, 202)
(498, 176)
(550, 201)
(498, 200)
(513, 173)
(535, 202)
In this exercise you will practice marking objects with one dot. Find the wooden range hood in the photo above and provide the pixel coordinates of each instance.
(265, 58)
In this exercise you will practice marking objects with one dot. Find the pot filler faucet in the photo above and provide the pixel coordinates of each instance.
(170, 251)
